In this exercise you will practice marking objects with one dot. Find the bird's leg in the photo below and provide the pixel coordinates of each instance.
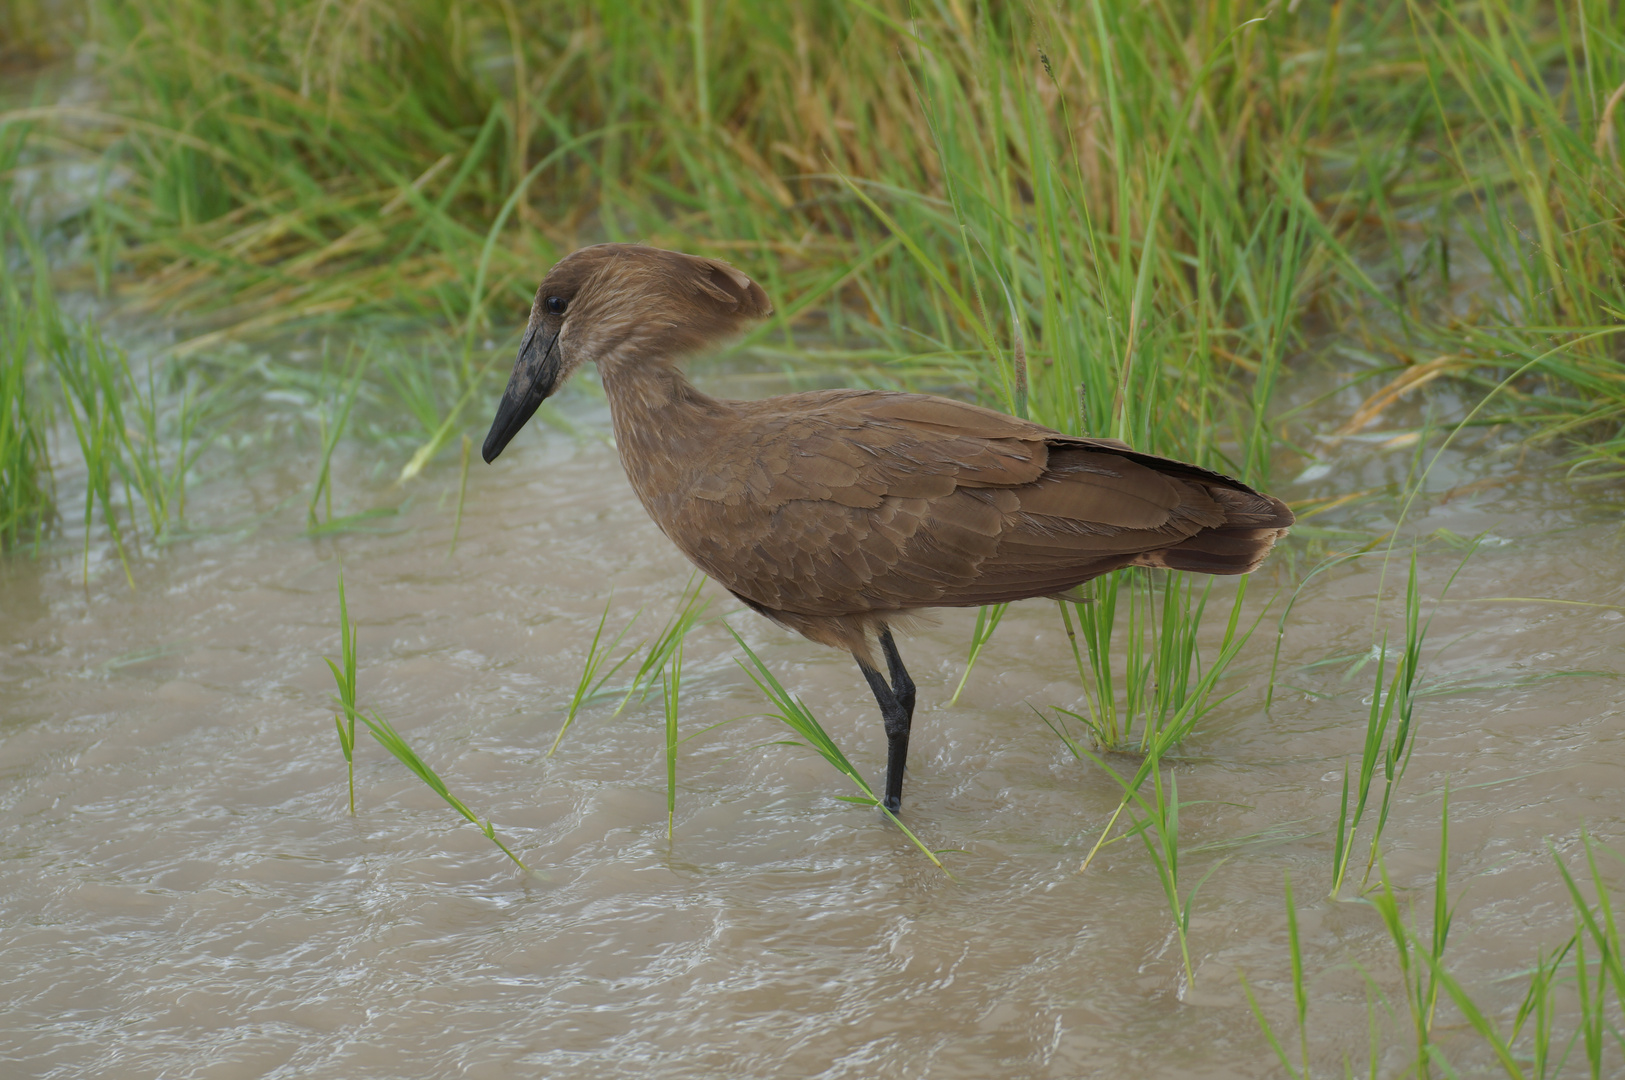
(896, 699)
(896, 719)
(901, 684)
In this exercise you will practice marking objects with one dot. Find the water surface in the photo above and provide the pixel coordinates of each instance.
(186, 895)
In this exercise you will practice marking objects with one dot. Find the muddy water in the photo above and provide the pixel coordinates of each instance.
(185, 894)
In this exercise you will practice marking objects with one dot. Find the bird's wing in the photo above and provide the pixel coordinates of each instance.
(847, 502)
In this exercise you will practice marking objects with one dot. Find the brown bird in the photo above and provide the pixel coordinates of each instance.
(837, 513)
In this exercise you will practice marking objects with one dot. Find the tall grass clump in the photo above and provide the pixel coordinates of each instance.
(27, 495)
(1141, 711)
(1530, 107)
(134, 436)
(25, 490)
(136, 432)
(139, 427)
(1124, 219)
(1143, 668)
(137, 438)
(1055, 205)
(27, 503)
(33, 32)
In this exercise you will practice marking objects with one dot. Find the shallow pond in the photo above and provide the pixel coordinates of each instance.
(186, 895)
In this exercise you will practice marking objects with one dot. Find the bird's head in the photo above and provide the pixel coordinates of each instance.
(621, 300)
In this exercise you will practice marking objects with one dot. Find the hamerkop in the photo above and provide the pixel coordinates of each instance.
(838, 512)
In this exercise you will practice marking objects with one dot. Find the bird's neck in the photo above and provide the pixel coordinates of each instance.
(663, 425)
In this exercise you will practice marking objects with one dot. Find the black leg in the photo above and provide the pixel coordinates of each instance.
(896, 699)
(902, 685)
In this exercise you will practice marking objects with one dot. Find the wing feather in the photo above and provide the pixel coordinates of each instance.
(846, 502)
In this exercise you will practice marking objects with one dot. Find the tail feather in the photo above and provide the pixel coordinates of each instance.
(1253, 522)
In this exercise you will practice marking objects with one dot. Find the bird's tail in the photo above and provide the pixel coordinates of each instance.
(1253, 522)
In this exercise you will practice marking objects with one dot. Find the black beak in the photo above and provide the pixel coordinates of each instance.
(534, 375)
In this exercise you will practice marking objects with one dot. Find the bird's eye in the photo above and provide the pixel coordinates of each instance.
(555, 305)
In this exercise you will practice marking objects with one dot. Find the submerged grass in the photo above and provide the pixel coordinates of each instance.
(1569, 987)
(671, 695)
(591, 684)
(793, 712)
(344, 676)
(1166, 689)
(657, 656)
(384, 733)
(987, 621)
(1387, 737)
(662, 660)
(332, 423)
